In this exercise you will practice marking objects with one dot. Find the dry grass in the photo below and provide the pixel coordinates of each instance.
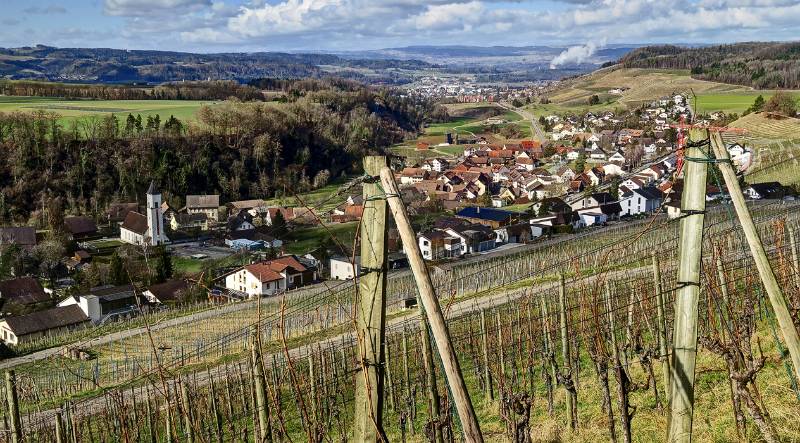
(643, 85)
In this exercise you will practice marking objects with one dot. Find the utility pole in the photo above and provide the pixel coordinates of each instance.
(684, 337)
(447, 353)
(774, 292)
(371, 308)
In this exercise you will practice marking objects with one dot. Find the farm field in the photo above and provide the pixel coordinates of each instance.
(762, 130)
(642, 85)
(729, 103)
(72, 110)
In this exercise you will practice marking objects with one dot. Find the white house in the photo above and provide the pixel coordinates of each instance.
(269, 277)
(343, 269)
(436, 245)
(138, 229)
(641, 201)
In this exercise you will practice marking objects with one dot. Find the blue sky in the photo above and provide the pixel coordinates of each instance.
(267, 25)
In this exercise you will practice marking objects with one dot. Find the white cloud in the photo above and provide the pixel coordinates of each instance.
(144, 8)
(360, 24)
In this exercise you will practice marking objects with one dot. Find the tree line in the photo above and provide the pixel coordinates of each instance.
(199, 90)
(760, 65)
(238, 150)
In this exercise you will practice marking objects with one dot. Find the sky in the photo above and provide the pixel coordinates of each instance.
(341, 25)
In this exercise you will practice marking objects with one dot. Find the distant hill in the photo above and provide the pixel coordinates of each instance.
(101, 65)
(759, 65)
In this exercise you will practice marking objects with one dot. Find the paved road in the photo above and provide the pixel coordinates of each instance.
(527, 116)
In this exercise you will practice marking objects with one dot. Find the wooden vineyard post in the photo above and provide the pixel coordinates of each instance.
(774, 292)
(371, 308)
(569, 388)
(430, 371)
(447, 353)
(661, 325)
(59, 428)
(186, 411)
(795, 260)
(487, 374)
(684, 337)
(13, 407)
(260, 386)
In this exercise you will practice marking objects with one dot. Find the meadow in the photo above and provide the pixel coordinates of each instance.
(729, 103)
(74, 110)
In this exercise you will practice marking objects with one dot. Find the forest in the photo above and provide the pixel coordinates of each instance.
(759, 65)
(237, 149)
(199, 90)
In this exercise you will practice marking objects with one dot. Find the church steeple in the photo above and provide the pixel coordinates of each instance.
(152, 189)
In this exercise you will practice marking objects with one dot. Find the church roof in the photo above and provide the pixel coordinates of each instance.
(135, 222)
(152, 189)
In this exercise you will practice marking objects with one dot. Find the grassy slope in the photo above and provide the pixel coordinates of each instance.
(71, 110)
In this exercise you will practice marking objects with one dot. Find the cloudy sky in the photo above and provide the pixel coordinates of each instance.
(253, 25)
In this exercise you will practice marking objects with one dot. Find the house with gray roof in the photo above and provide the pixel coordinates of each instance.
(24, 328)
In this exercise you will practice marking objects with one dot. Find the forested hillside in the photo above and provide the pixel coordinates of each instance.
(239, 150)
(104, 65)
(760, 65)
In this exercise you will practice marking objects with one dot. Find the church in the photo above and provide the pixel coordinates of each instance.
(139, 229)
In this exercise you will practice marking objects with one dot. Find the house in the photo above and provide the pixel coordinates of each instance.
(168, 292)
(617, 157)
(106, 303)
(474, 237)
(240, 222)
(491, 217)
(516, 233)
(410, 176)
(203, 204)
(25, 328)
(254, 207)
(183, 221)
(139, 229)
(342, 267)
(596, 199)
(23, 293)
(437, 245)
(80, 228)
(641, 201)
(768, 190)
(270, 277)
(117, 212)
(23, 236)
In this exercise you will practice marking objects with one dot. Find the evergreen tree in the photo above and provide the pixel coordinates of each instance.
(279, 228)
(130, 124)
(163, 264)
(116, 270)
(139, 123)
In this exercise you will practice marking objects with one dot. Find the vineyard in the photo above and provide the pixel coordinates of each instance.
(606, 299)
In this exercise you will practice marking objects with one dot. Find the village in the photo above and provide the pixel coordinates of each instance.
(491, 197)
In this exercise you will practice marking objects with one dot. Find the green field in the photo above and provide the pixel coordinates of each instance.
(71, 110)
(735, 102)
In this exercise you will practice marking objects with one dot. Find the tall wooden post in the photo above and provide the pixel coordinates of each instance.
(260, 387)
(371, 308)
(569, 391)
(447, 353)
(13, 406)
(487, 374)
(684, 337)
(186, 411)
(774, 292)
(661, 325)
(430, 371)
